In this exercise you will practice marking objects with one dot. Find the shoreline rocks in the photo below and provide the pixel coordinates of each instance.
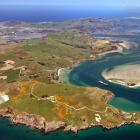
(38, 122)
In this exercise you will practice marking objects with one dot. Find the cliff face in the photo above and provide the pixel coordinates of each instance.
(38, 122)
(34, 121)
(79, 108)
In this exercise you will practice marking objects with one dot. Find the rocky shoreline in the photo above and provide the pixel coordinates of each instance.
(38, 122)
(31, 120)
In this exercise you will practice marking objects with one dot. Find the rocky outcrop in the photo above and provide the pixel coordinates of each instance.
(71, 128)
(34, 121)
(38, 122)
(52, 126)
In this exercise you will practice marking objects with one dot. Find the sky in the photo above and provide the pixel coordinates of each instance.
(79, 3)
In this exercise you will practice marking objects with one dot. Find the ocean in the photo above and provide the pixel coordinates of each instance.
(45, 13)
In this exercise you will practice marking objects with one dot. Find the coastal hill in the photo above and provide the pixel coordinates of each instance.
(31, 93)
(32, 57)
(53, 106)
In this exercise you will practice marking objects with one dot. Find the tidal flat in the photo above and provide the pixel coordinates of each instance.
(127, 75)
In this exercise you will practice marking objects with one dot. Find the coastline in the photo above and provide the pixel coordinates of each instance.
(53, 126)
(96, 133)
(62, 71)
(121, 47)
(121, 77)
(124, 45)
(118, 82)
(39, 123)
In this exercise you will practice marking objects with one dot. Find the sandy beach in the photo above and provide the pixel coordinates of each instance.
(59, 71)
(125, 45)
(123, 83)
(126, 75)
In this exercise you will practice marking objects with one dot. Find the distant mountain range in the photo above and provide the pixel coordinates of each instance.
(19, 30)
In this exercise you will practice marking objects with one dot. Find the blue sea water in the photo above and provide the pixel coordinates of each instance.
(45, 13)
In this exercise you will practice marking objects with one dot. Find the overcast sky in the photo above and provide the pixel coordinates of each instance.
(79, 3)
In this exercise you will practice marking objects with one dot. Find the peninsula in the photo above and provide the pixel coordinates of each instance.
(30, 90)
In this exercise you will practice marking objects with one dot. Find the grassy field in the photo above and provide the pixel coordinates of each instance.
(76, 106)
(44, 56)
(74, 39)
(12, 76)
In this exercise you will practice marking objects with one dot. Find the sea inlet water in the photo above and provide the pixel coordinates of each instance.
(90, 72)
